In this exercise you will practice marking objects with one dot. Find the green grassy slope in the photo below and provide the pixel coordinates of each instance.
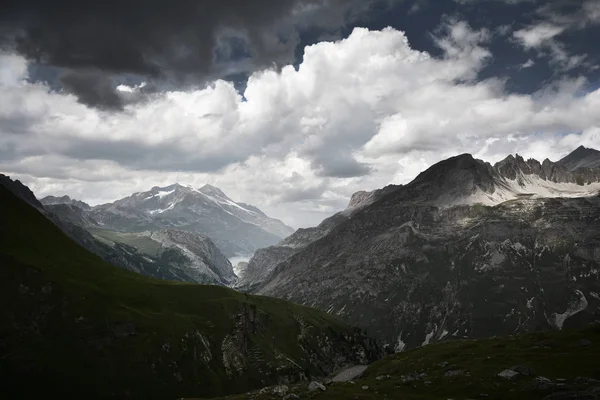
(569, 360)
(73, 325)
(142, 243)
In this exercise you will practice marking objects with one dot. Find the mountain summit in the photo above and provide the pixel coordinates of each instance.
(582, 157)
(236, 228)
(466, 180)
(467, 249)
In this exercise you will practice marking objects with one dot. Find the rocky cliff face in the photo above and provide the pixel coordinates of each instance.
(21, 191)
(203, 262)
(265, 260)
(466, 250)
(363, 198)
(71, 213)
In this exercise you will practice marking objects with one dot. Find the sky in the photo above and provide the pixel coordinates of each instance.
(289, 105)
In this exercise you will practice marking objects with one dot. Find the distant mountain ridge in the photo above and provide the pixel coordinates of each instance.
(466, 180)
(467, 249)
(236, 228)
(458, 180)
(582, 157)
(52, 200)
(166, 254)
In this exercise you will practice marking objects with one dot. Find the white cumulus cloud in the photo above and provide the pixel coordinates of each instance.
(358, 113)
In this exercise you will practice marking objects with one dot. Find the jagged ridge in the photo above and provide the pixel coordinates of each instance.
(429, 260)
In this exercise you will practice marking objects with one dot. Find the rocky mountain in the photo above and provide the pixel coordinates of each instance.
(360, 200)
(467, 249)
(236, 228)
(582, 157)
(53, 200)
(265, 260)
(178, 255)
(166, 254)
(69, 212)
(20, 190)
(81, 328)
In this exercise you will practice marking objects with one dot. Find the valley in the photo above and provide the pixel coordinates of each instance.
(425, 271)
(300, 200)
(80, 327)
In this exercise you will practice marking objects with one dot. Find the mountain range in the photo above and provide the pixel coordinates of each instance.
(74, 326)
(236, 228)
(467, 249)
(435, 254)
(174, 232)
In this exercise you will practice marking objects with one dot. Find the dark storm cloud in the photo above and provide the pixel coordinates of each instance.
(177, 41)
(93, 89)
(343, 167)
(144, 37)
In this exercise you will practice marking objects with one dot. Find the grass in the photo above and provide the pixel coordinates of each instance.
(72, 325)
(553, 355)
(142, 243)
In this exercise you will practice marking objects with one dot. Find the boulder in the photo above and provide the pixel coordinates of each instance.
(280, 390)
(314, 386)
(508, 374)
(523, 370)
(456, 372)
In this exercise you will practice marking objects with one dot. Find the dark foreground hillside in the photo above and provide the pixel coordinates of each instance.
(71, 325)
(552, 366)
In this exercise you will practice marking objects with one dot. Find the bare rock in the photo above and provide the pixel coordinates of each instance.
(314, 386)
(280, 390)
(456, 372)
(523, 370)
(508, 374)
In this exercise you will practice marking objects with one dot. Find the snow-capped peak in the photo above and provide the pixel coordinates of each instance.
(162, 193)
(213, 191)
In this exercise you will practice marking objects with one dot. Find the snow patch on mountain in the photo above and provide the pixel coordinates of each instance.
(160, 211)
(400, 345)
(234, 227)
(162, 194)
(428, 338)
(526, 186)
(575, 307)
